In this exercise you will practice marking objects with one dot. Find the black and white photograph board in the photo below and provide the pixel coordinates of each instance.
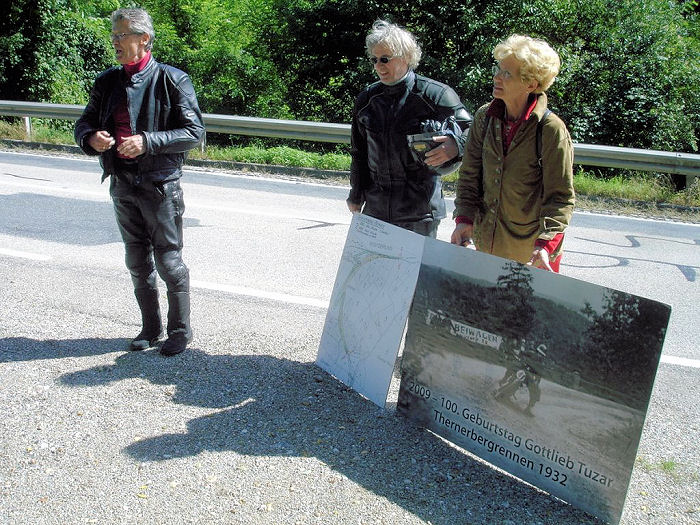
(544, 376)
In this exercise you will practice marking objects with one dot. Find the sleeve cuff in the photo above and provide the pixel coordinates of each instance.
(550, 245)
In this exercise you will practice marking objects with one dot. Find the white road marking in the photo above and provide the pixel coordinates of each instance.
(680, 361)
(25, 255)
(253, 292)
(294, 299)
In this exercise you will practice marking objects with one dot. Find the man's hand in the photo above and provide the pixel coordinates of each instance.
(447, 150)
(101, 141)
(354, 208)
(132, 146)
(463, 235)
(540, 259)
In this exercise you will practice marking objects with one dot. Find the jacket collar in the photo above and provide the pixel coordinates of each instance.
(403, 85)
(497, 107)
(541, 106)
(142, 75)
(135, 67)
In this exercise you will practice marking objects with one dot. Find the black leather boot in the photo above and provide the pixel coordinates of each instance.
(179, 330)
(152, 325)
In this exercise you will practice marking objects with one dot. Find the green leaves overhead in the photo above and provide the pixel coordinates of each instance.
(630, 68)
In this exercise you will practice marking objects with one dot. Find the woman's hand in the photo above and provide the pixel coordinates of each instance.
(463, 235)
(540, 259)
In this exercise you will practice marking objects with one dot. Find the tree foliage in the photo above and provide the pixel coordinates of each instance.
(213, 40)
(51, 50)
(628, 79)
(624, 340)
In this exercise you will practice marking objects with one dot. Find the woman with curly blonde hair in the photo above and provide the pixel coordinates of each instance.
(515, 194)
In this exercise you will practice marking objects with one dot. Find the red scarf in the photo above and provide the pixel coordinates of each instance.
(510, 128)
(122, 125)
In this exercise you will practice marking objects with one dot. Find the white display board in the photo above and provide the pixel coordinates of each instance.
(369, 305)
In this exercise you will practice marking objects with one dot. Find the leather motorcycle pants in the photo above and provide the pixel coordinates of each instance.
(149, 217)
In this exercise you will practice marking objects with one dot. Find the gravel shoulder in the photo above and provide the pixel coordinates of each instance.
(244, 428)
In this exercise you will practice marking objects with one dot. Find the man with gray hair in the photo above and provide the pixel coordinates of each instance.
(141, 119)
(407, 131)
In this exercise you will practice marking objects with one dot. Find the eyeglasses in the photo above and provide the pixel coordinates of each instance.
(498, 72)
(383, 59)
(117, 37)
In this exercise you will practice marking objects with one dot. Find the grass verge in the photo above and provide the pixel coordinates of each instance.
(628, 189)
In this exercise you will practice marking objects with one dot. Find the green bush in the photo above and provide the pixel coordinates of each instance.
(51, 50)
(629, 79)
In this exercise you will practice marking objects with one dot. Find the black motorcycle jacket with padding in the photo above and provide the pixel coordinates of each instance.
(162, 107)
(385, 176)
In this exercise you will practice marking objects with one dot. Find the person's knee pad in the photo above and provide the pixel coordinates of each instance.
(139, 262)
(173, 270)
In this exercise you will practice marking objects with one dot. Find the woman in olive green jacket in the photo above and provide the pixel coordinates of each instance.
(506, 204)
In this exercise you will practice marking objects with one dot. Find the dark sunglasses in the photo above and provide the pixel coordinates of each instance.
(382, 59)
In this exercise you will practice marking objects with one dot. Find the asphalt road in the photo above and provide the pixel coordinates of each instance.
(243, 428)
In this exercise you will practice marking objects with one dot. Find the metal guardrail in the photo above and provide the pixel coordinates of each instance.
(687, 164)
(233, 124)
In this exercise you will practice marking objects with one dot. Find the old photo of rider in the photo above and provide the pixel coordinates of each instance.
(524, 368)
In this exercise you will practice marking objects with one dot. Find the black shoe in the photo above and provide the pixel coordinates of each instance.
(145, 340)
(175, 344)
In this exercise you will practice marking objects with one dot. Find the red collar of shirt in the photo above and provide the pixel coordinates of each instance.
(122, 122)
(135, 67)
(497, 109)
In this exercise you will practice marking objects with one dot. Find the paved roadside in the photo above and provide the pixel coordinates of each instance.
(243, 427)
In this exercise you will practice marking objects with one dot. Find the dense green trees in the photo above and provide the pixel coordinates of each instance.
(214, 41)
(51, 50)
(629, 78)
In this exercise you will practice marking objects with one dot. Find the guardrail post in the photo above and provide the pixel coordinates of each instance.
(28, 127)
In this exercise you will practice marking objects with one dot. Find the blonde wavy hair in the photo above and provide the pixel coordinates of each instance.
(538, 61)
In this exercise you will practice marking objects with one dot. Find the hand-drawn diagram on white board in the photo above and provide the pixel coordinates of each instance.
(370, 302)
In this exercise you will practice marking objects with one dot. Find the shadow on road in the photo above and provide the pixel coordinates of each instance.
(62, 220)
(25, 349)
(278, 407)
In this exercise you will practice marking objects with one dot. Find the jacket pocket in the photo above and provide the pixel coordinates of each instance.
(522, 230)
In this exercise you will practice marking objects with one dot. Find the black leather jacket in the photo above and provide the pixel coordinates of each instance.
(162, 107)
(384, 175)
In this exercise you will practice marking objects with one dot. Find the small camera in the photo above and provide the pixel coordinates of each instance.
(422, 143)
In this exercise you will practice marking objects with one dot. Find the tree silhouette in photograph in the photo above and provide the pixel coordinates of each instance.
(513, 306)
(624, 342)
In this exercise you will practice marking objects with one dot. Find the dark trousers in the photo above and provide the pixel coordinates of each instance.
(150, 222)
(425, 228)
